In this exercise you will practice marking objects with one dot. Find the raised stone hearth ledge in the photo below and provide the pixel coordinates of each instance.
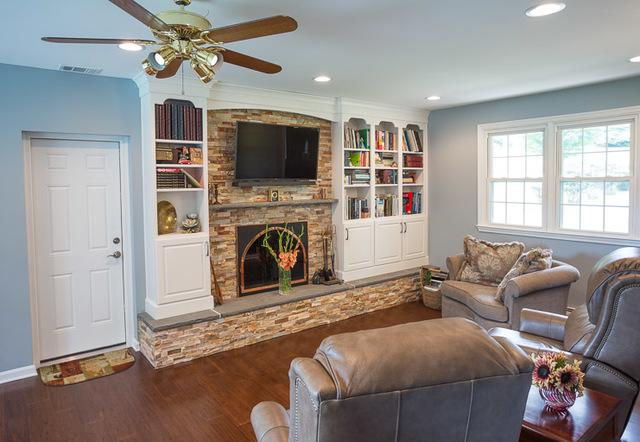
(251, 319)
(258, 204)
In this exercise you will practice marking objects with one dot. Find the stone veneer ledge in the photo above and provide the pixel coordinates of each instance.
(173, 340)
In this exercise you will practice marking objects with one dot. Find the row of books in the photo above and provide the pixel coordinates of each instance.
(385, 160)
(413, 161)
(411, 203)
(178, 121)
(357, 208)
(176, 178)
(409, 178)
(357, 159)
(358, 177)
(411, 140)
(386, 205)
(386, 140)
(356, 138)
(386, 177)
(168, 154)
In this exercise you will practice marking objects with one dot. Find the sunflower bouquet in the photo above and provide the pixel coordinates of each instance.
(558, 379)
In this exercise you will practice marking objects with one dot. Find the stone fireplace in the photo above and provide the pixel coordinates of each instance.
(257, 269)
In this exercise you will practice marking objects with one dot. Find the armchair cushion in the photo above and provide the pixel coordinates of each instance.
(532, 261)
(270, 422)
(479, 298)
(487, 263)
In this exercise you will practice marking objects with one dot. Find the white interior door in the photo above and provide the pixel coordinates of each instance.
(78, 231)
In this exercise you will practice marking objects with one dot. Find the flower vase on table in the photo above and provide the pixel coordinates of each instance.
(559, 381)
(289, 244)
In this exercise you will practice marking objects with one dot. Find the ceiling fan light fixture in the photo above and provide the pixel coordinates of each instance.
(130, 46)
(150, 70)
(204, 72)
(212, 59)
(544, 9)
(160, 59)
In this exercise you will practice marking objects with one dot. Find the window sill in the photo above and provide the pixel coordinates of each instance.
(562, 236)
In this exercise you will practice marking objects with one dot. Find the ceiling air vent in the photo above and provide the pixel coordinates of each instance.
(80, 70)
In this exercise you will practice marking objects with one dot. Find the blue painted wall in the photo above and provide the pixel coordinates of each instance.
(453, 167)
(51, 101)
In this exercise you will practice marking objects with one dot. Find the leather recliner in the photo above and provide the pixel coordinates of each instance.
(444, 379)
(604, 333)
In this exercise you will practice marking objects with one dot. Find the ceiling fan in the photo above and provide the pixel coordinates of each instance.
(184, 35)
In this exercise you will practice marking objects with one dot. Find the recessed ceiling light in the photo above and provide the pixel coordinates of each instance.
(635, 59)
(322, 79)
(433, 98)
(545, 9)
(129, 46)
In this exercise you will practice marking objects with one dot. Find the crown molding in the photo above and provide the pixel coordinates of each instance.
(193, 87)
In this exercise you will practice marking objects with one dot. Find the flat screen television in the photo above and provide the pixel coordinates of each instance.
(276, 154)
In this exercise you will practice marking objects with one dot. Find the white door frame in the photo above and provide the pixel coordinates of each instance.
(127, 236)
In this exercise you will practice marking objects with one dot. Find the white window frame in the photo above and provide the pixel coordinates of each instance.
(551, 127)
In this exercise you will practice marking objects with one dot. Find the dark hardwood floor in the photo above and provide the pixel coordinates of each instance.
(207, 399)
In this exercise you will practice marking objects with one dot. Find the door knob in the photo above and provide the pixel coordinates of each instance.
(115, 254)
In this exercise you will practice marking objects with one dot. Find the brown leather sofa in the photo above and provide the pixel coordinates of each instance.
(545, 290)
(604, 333)
(438, 380)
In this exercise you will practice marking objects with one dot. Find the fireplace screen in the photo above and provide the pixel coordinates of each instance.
(257, 270)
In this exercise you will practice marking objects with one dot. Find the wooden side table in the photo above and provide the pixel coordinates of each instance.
(592, 418)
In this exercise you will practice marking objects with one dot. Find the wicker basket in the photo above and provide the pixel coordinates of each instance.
(432, 298)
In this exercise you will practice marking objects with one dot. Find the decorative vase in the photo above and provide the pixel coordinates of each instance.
(284, 281)
(558, 399)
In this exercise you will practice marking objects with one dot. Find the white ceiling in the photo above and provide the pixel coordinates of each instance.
(395, 52)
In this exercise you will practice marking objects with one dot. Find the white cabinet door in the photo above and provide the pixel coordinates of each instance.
(388, 241)
(183, 269)
(358, 246)
(413, 239)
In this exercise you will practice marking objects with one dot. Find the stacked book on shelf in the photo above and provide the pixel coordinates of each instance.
(357, 159)
(411, 203)
(385, 160)
(411, 140)
(386, 140)
(413, 161)
(176, 178)
(356, 138)
(357, 208)
(386, 177)
(357, 177)
(386, 205)
(178, 121)
(409, 178)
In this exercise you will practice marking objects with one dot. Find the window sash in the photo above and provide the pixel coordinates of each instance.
(552, 128)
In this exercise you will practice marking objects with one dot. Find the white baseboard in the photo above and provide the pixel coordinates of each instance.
(17, 373)
(135, 344)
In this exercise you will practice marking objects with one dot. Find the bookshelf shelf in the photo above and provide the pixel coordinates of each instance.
(357, 150)
(405, 152)
(355, 168)
(386, 168)
(351, 186)
(180, 166)
(191, 189)
(190, 142)
(412, 168)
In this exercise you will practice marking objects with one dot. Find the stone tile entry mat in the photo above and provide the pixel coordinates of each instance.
(74, 372)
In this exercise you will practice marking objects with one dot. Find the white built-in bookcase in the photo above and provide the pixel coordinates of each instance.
(177, 268)
(391, 240)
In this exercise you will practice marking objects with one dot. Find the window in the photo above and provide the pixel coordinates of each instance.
(595, 178)
(572, 176)
(515, 176)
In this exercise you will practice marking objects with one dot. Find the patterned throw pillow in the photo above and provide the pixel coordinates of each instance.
(534, 260)
(486, 263)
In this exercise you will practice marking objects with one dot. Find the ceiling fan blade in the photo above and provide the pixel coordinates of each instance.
(171, 69)
(252, 29)
(137, 11)
(98, 41)
(249, 62)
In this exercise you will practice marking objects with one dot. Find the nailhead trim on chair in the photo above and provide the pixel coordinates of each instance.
(612, 372)
(614, 312)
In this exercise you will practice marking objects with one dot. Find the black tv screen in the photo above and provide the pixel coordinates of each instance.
(272, 152)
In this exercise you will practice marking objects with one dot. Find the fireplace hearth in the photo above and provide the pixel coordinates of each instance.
(257, 270)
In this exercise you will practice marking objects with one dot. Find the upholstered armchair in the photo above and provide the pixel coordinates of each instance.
(545, 290)
(604, 333)
(443, 379)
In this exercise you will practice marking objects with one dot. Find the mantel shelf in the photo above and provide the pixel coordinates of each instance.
(259, 204)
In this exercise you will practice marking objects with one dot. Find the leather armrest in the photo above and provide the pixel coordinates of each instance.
(270, 422)
(317, 381)
(454, 263)
(522, 285)
(545, 324)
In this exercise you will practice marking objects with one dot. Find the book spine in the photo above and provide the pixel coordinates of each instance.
(199, 124)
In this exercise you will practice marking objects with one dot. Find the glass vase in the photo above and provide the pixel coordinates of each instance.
(558, 399)
(284, 281)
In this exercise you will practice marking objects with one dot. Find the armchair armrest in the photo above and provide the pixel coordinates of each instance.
(270, 422)
(559, 276)
(454, 263)
(545, 324)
